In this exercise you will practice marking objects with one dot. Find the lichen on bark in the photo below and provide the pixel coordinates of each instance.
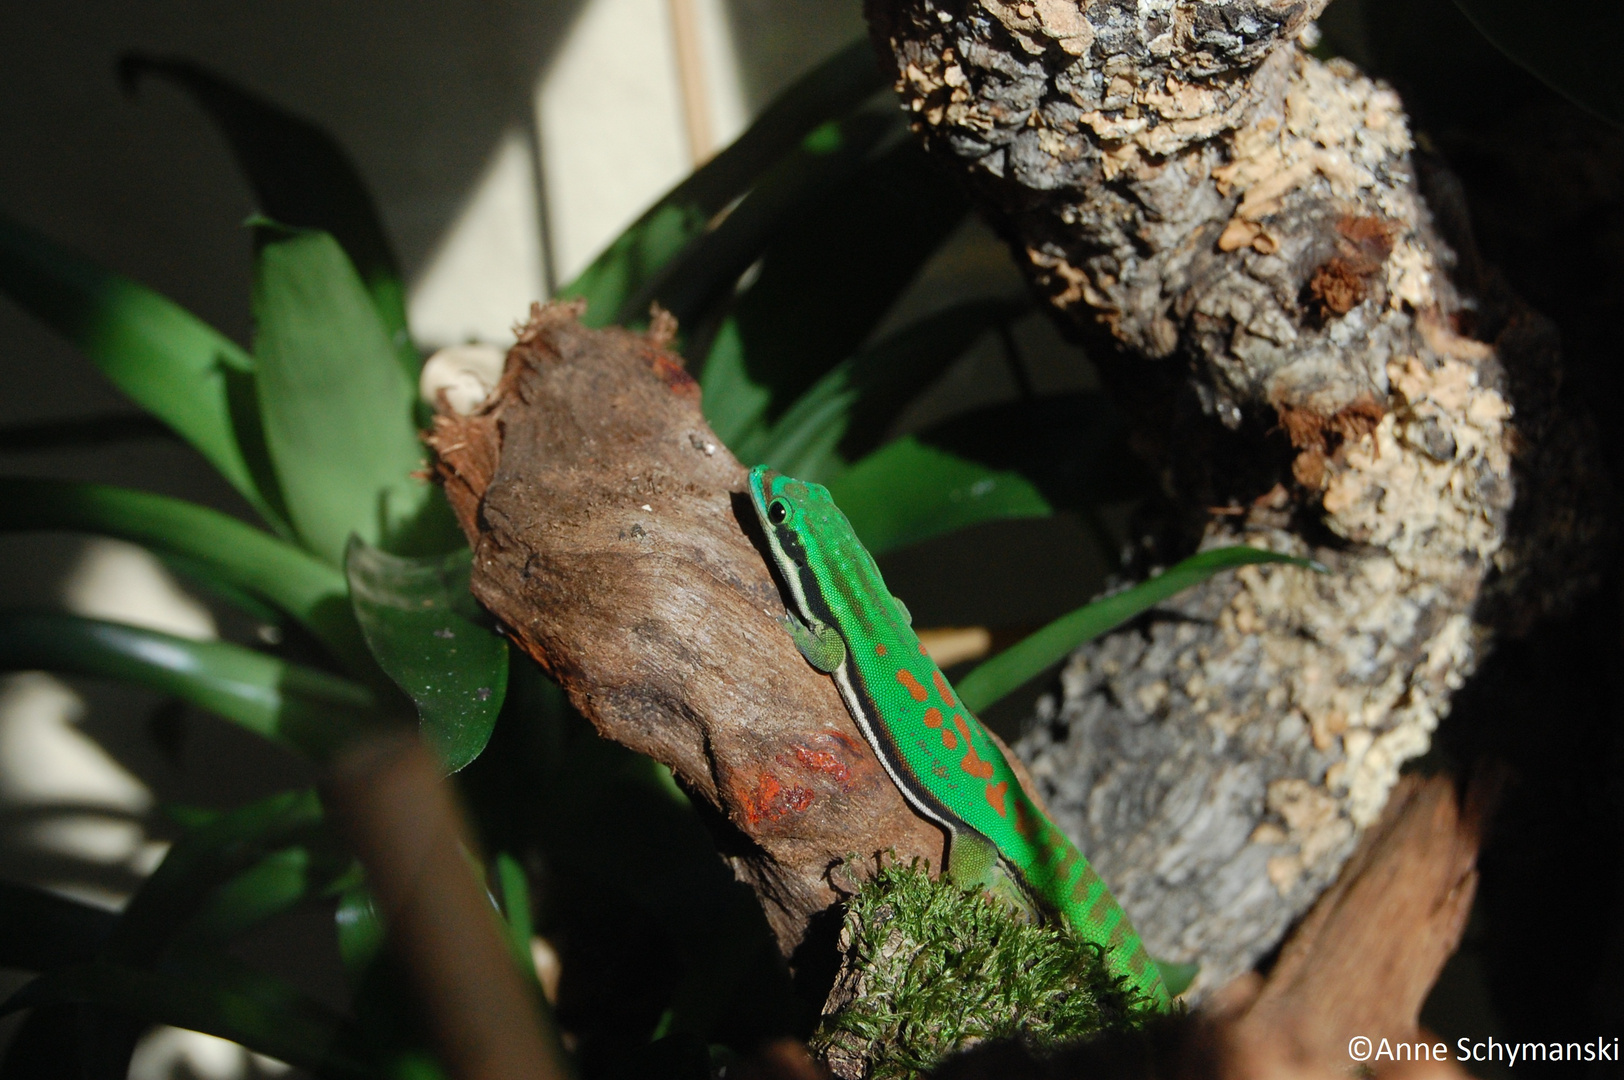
(1237, 230)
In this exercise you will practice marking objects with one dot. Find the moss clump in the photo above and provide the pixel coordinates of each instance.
(929, 969)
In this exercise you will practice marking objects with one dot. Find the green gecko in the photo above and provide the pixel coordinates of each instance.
(848, 625)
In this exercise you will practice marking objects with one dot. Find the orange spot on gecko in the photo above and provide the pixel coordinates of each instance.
(995, 796)
(824, 762)
(911, 684)
(972, 763)
(943, 689)
(879, 650)
(922, 650)
(950, 740)
(933, 717)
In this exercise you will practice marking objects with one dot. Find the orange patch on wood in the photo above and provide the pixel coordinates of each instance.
(933, 717)
(911, 684)
(972, 763)
(995, 797)
(824, 762)
(943, 689)
(770, 800)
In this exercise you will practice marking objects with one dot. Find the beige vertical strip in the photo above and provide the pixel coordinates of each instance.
(696, 113)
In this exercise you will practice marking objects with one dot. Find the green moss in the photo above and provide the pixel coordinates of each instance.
(930, 969)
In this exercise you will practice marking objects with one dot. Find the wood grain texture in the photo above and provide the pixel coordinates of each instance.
(609, 529)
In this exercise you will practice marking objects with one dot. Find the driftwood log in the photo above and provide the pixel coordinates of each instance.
(1242, 236)
(612, 539)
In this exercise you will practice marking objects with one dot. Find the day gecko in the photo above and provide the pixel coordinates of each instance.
(847, 624)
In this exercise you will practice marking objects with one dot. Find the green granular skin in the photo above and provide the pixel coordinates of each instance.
(936, 969)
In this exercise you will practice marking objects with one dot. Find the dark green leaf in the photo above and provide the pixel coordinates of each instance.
(337, 407)
(277, 883)
(834, 262)
(217, 996)
(1072, 447)
(301, 176)
(515, 898)
(239, 554)
(843, 414)
(84, 1042)
(633, 258)
(428, 634)
(204, 860)
(171, 363)
(308, 710)
(690, 283)
(1573, 54)
(360, 930)
(82, 431)
(909, 491)
(1027, 658)
(40, 930)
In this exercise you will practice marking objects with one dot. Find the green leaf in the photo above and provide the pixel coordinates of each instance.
(301, 177)
(1573, 54)
(1026, 659)
(515, 898)
(359, 928)
(843, 414)
(690, 283)
(426, 631)
(277, 883)
(168, 361)
(909, 491)
(308, 710)
(832, 265)
(217, 996)
(636, 255)
(203, 860)
(1072, 447)
(40, 930)
(337, 407)
(240, 555)
(82, 431)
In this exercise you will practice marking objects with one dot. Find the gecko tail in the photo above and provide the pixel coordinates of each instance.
(1176, 977)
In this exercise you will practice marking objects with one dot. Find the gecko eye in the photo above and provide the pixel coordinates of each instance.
(778, 511)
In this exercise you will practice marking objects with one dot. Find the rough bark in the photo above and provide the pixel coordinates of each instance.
(1238, 231)
(611, 539)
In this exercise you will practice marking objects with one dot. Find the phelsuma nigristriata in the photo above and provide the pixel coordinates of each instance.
(848, 625)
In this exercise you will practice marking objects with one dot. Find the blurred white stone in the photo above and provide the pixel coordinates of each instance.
(125, 583)
(465, 373)
(167, 1053)
(489, 267)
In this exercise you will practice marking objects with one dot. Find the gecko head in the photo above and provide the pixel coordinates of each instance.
(784, 506)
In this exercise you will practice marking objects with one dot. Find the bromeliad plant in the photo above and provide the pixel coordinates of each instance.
(780, 259)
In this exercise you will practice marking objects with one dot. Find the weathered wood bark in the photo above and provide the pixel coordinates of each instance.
(1238, 232)
(610, 538)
